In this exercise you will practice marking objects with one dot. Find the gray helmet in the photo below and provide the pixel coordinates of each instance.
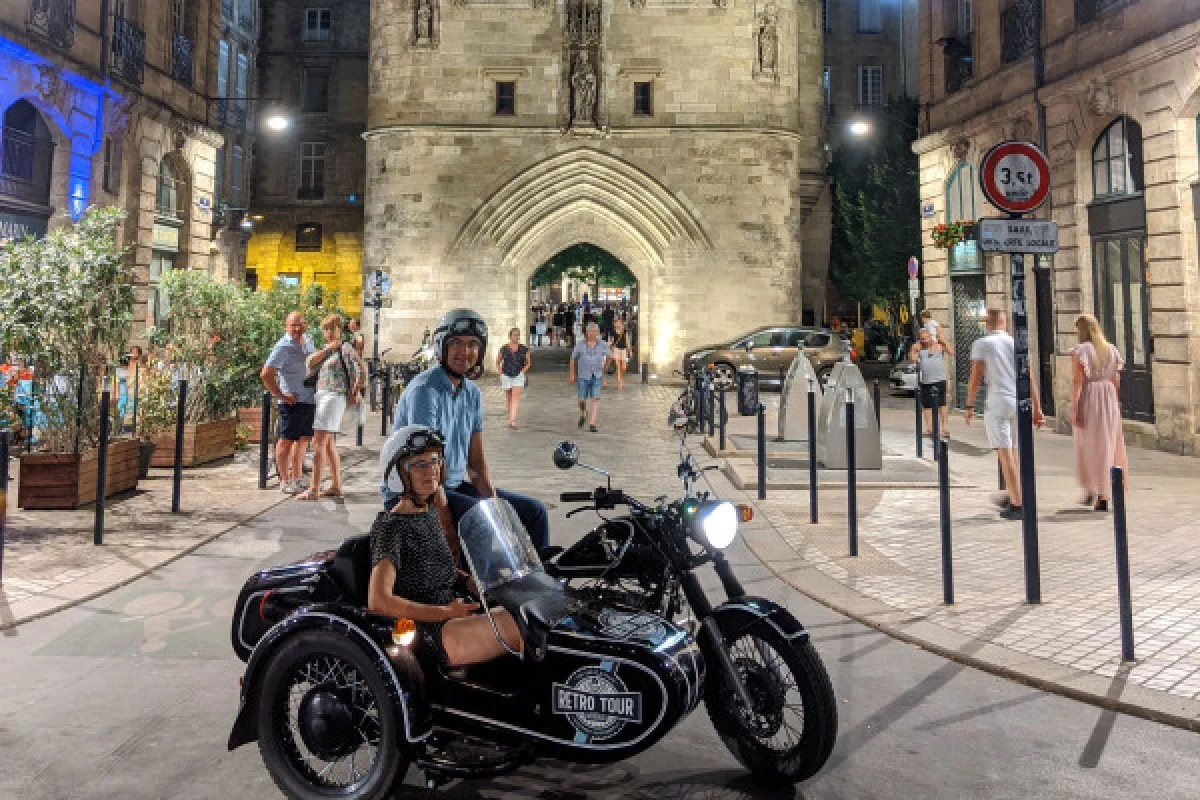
(461, 322)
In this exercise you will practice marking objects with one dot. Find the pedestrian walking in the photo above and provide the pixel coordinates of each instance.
(994, 361)
(607, 317)
(620, 346)
(1096, 411)
(540, 330)
(929, 355)
(512, 362)
(341, 375)
(589, 360)
(286, 377)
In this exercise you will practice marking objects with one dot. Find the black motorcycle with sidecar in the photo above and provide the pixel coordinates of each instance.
(620, 644)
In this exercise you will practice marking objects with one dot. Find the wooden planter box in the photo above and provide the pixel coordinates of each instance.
(68, 480)
(252, 419)
(202, 442)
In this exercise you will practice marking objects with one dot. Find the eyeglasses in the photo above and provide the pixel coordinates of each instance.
(463, 343)
(425, 466)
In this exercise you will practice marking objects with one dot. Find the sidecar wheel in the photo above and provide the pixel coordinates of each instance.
(326, 727)
(790, 732)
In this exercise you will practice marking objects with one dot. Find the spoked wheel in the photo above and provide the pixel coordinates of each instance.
(788, 733)
(325, 724)
(724, 376)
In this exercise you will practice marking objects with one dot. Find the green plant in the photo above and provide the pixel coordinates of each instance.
(68, 306)
(947, 235)
(156, 402)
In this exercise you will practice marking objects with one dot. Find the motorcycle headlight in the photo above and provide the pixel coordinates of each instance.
(718, 522)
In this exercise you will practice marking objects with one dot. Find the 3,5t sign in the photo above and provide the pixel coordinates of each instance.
(1015, 177)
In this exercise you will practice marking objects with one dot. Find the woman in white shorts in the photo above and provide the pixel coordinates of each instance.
(512, 362)
(340, 377)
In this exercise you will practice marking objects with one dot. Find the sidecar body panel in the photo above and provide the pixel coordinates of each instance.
(610, 685)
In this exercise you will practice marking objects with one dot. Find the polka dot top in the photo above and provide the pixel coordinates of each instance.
(415, 543)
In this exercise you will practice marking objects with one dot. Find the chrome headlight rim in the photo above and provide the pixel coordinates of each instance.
(716, 523)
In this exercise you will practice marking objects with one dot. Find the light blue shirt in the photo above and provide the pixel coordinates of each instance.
(589, 361)
(291, 359)
(430, 399)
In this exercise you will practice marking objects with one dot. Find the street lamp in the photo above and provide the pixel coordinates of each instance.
(277, 122)
(860, 128)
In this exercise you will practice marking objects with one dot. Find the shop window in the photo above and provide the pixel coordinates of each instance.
(506, 98)
(308, 237)
(1117, 160)
(643, 98)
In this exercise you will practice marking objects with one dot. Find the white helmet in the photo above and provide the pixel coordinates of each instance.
(405, 443)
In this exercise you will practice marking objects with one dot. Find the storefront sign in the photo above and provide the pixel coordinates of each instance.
(1018, 236)
(18, 226)
(165, 237)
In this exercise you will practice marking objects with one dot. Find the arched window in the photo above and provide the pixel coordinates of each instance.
(1117, 160)
(28, 152)
(960, 193)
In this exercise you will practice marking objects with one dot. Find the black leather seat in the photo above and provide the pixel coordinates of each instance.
(351, 568)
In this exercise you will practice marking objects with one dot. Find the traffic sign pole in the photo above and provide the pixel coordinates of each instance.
(914, 291)
(1029, 524)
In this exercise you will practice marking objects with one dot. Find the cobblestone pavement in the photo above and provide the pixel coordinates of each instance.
(1072, 639)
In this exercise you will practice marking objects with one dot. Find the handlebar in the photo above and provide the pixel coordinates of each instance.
(575, 497)
(603, 498)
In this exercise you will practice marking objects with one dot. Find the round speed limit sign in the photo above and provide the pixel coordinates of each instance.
(1015, 177)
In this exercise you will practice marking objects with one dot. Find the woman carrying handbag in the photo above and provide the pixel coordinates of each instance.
(340, 374)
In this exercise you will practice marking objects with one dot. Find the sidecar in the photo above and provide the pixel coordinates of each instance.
(342, 703)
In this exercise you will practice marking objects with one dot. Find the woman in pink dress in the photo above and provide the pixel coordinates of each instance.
(1096, 411)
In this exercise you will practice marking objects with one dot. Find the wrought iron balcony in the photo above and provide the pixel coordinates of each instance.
(959, 64)
(1018, 30)
(25, 165)
(1088, 10)
(53, 20)
(181, 59)
(128, 51)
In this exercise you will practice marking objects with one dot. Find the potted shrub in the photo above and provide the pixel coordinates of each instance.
(68, 305)
(156, 413)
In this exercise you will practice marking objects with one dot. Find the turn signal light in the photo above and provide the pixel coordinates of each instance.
(405, 632)
(745, 512)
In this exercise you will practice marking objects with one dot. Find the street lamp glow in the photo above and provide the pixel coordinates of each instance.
(859, 128)
(277, 122)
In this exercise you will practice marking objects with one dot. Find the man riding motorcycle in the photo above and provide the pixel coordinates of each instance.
(446, 399)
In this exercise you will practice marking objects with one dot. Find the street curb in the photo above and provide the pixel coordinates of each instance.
(75, 601)
(1085, 687)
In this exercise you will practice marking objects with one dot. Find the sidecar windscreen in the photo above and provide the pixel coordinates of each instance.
(496, 545)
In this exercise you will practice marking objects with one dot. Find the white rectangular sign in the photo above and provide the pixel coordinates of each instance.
(1018, 236)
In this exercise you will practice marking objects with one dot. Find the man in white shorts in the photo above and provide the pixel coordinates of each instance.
(993, 359)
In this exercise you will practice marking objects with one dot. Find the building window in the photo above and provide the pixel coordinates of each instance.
(962, 206)
(223, 70)
(308, 237)
(166, 201)
(243, 68)
(506, 98)
(317, 24)
(826, 90)
(316, 90)
(1088, 10)
(1117, 160)
(870, 17)
(312, 171)
(870, 86)
(157, 307)
(219, 181)
(825, 15)
(112, 164)
(236, 171)
(966, 21)
(643, 98)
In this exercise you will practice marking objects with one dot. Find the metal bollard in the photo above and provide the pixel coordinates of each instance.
(1120, 533)
(101, 466)
(177, 478)
(700, 412)
(920, 422)
(942, 449)
(5, 438)
(79, 406)
(386, 402)
(29, 427)
(782, 378)
(362, 419)
(712, 409)
(935, 412)
(762, 452)
(645, 373)
(878, 409)
(812, 451)
(851, 476)
(264, 440)
(724, 418)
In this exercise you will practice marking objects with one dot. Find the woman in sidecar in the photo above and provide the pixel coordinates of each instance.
(416, 561)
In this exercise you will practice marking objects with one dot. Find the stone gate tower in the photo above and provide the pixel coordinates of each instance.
(683, 136)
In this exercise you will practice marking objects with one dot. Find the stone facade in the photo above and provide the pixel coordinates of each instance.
(708, 198)
(113, 118)
(288, 195)
(1108, 70)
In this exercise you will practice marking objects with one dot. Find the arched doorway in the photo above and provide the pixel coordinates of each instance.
(26, 163)
(581, 279)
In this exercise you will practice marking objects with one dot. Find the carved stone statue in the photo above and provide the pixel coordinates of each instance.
(768, 41)
(583, 90)
(424, 21)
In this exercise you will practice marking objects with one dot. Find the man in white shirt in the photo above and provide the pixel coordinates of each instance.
(993, 358)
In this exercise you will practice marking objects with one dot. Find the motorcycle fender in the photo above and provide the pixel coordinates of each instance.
(403, 675)
(737, 616)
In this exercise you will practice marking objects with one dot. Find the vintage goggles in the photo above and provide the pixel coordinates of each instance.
(467, 327)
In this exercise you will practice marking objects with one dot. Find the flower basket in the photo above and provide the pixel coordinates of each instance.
(947, 235)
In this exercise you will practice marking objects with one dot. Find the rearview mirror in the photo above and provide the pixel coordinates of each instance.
(566, 455)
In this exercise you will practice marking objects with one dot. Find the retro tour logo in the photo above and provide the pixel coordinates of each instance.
(596, 702)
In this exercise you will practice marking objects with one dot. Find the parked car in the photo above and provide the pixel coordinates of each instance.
(903, 377)
(770, 350)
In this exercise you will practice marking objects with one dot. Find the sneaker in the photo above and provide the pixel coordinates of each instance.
(592, 428)
(1012, 512)
(292, 487)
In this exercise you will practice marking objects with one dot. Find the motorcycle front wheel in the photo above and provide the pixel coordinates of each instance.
(789, 733)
